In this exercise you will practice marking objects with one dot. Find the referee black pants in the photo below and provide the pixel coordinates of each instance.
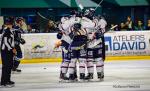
(7, 64)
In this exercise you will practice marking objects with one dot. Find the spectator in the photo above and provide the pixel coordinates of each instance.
(29, 28)
(112, 25)
(24, 25)
(148, 25)
(139, 26)
(50, 27)
(20, 22)
(122, 27)
(129, 23)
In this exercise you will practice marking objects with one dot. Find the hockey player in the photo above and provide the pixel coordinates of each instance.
(79, 37)
(66, 28)
(99, 59)
(65, 55)
(100, 48)
(96, 48)
(65, 42)
(18, 56)
(18, 40)
(89, 24)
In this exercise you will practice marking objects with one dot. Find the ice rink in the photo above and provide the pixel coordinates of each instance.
(119, 76)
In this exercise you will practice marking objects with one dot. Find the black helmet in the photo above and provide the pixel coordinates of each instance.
(89, 13)
(76, 13)
(9, 20)
(77, 26)
(59, 35)
(73, 12)
(79, 14)
(19, 19)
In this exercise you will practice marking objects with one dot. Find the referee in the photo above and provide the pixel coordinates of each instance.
(7, 53)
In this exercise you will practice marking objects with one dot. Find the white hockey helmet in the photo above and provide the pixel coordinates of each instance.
(89, 11)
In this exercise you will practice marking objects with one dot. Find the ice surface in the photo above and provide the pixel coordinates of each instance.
(119, 76)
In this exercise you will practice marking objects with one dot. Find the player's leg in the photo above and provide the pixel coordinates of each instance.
(64, 69)
(64, 65)
(72, 65)
(17, 58)
(90, 65)
(82, 63)
(98, 55)
(99, 63)
(75, 72)
(100, 68)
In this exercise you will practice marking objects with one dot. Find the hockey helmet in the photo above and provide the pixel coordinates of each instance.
(9, 20)
(77, 26)
(89, 13)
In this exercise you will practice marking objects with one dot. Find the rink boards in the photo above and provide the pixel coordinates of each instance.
(120, 45)
(125, 58)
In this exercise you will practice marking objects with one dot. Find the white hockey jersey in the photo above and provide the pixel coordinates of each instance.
(88, 24)
(101, 24)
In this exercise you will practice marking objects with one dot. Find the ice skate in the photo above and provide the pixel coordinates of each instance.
(63, 78)
(16, 71)
(82, 77)
(89, 77)
(100, 76)
(9, 84)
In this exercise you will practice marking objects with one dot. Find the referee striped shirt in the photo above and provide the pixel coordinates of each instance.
(7, 40)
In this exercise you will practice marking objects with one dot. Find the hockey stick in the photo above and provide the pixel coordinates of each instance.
(97, 41)
(98, 5)
(42, 16)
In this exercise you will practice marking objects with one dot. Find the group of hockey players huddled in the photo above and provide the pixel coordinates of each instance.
(81, 39)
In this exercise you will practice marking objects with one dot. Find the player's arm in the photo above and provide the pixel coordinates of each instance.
(7, 41)
(102, 26)
(88, 24)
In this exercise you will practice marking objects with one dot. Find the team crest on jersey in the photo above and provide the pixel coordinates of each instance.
(82, 52)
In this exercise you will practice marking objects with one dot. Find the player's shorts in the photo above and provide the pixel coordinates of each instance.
(79, 42)
(78, 47)
(78, 53)
(95, 52)
(66, 56)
